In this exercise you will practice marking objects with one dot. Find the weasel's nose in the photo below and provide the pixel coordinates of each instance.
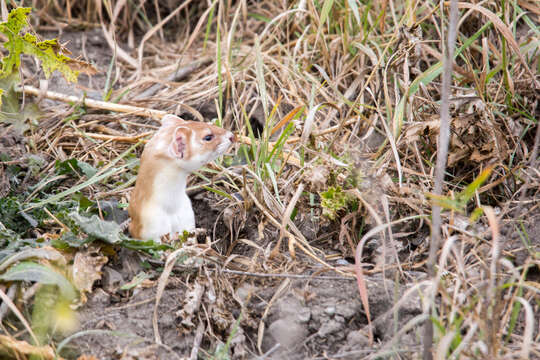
(232, 138)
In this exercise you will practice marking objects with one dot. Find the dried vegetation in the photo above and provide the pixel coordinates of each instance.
(336, 104)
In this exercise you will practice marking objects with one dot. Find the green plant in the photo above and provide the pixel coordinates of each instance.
(459, 201)
(333, 200)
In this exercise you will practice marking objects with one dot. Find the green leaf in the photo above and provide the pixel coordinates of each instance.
(69, 166)
(108, 231)
(138, 279)
(50, 53)
(107, 171)
(327, 6)
(146, 245)
(471, 189)
(16, 22)
(84, 202)
(41, 253)
(459, 202)
(87, 169)
(29, 271)
(69, 239)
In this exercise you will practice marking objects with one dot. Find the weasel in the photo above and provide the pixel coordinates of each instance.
(159, 204)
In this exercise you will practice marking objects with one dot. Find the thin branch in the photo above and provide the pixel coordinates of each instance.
(442, 155)
(97, 104)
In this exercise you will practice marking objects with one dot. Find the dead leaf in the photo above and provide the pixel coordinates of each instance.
(81, 66)
(87, 269)
(418, 129)
(10, 345)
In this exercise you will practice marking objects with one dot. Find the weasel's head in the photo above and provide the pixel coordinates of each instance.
(191, 144)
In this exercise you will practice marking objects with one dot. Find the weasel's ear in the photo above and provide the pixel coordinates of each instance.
(171, 120)
(179, 145)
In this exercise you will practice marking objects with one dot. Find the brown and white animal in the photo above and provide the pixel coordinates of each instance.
(159, 204)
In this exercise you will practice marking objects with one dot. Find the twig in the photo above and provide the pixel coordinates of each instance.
(12, 290)
(129, 139)
(96, 104)
(197, 341)
(492, 319)
(442, 155)
(156, 115)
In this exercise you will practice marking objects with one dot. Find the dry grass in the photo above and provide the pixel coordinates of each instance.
(363, 81)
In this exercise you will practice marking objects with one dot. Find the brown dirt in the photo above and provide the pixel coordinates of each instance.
(308, 317)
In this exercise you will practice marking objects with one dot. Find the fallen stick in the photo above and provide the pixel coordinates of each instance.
(127, 139)
(96, 104)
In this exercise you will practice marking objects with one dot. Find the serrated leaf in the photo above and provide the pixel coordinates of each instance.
(333, 200)
(50, 53)
(29, 271)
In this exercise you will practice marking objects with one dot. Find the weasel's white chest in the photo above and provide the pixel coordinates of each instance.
(168, 211)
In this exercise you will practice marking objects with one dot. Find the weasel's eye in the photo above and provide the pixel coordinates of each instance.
(208, 137)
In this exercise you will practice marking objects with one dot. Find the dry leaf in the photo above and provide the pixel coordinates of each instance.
(87, 269)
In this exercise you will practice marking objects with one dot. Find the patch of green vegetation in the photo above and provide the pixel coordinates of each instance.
(85, 228)
(13, 218)
(459, 201)
(334, 200)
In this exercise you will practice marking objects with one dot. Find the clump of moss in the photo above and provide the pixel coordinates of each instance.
(333, 200)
